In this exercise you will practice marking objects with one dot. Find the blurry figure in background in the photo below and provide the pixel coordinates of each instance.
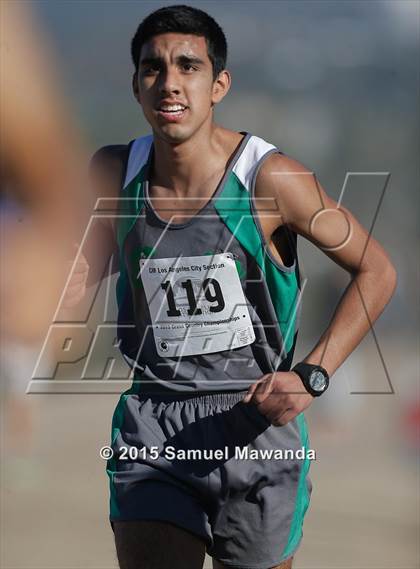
(41, 207)
(409, 413)
(410, 422)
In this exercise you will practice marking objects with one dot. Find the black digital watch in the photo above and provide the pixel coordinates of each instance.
(314, 377)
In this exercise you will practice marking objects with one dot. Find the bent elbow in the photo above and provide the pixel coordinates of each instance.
(393, 278)
(388, 279)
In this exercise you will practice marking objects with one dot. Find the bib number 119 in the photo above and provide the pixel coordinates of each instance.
(212, 292)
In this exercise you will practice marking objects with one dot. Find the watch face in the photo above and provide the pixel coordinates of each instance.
(317, 381)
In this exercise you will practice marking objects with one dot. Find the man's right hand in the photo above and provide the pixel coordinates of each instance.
(76, 287)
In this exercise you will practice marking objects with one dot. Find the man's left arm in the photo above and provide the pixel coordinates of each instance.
(305, 208)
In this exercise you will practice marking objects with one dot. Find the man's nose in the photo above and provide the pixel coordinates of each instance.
(170, 81)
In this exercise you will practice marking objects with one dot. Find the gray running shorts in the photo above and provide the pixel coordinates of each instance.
(214, 466)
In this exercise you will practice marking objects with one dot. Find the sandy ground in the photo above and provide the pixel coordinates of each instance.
(363, 513)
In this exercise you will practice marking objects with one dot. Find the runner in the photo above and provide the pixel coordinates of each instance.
(209, 304)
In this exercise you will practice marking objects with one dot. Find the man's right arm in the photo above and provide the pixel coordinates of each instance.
(106, 175)
(107, 170)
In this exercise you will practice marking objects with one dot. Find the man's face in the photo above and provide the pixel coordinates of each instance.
(175, 86)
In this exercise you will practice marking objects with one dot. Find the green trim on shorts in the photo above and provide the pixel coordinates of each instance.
(302, 495)
(117, 422)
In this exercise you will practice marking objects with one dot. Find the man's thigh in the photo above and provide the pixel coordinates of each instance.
(157, 545)
(285, 565)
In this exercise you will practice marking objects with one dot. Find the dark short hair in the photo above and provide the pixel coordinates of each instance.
(183, 20)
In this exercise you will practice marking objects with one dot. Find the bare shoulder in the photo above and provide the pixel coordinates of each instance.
(111, 154)
(107, 168)
(282, 183)
(280, 172)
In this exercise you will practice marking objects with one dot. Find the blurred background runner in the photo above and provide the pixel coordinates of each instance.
(42, 213)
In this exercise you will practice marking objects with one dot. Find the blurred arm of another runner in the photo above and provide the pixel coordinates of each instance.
(42, 176)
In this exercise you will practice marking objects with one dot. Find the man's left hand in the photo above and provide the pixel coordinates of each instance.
(280, 396)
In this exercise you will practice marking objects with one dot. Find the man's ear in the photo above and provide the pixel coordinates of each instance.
(135, 86)
(221, 86)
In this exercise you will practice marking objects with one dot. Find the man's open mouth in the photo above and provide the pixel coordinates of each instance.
(173, 112)
(172, 108)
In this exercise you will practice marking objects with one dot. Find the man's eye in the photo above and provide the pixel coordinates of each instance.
(188, 67)
(151, 70)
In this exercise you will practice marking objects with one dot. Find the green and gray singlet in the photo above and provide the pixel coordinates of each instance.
(204, 305)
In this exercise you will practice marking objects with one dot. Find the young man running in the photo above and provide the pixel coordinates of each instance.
(209, 300)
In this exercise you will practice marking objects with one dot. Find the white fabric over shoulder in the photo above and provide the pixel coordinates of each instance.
(139, 153)
(250, 157)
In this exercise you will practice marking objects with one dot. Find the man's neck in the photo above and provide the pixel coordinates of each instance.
(187, 167)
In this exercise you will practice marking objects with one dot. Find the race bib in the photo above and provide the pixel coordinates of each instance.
(196, 304)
